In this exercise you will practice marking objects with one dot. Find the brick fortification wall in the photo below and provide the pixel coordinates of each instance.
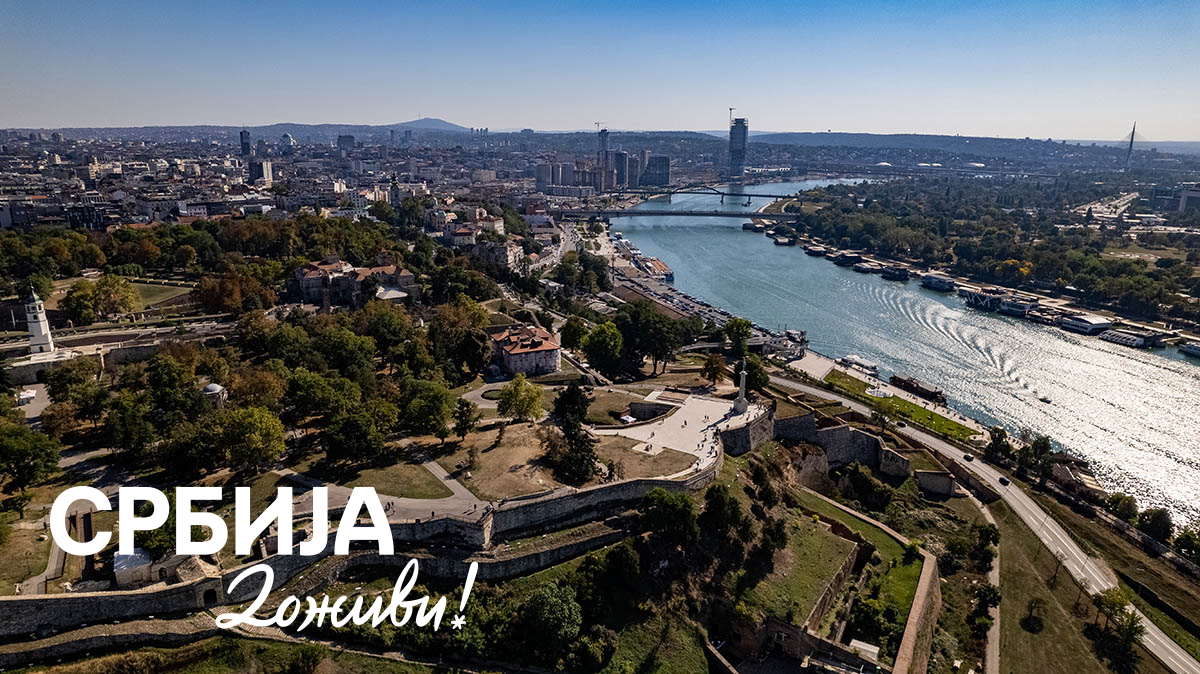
(843, 444)
(738, 441)
(34, 613)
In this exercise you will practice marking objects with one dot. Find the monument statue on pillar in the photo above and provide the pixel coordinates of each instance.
(740, 405)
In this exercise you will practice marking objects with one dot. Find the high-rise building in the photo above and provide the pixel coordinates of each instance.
(603, 152)
(645, 159)
(568, 175)
(738, 131)
(634, 176)
(556, 174)
(621, 164)
(658, 171)
(542, 174)
(345, 142)
(260, 169)
(245, 138)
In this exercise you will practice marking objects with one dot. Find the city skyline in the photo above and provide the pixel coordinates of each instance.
(1071, 71)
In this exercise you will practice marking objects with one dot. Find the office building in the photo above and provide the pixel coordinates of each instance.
(245, 138)
(260, 169)
(542, 174)
(603, 151)
(738, 131)
(658, 171)
(634, 174)
(345, 142)
(621, 165)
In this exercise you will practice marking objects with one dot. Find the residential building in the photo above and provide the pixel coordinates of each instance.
(526, 349)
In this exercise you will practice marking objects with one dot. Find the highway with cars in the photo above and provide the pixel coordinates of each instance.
(1082, 567)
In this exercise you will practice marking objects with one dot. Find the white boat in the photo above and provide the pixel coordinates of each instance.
(858, 362)
(1190, 348)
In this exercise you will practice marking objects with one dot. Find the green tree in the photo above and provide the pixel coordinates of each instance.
(466, 417)
(603, 347)
(714, 368)
(1156, 523)
(757, 378)
(737, 330)
(551, 618)
(127, 424)
(115, 295)
(26, 456)
(253, 437)
(65, 378)
(354, 437)
(520, 399)
(429, 407)
(572, 403)
(80, 303)
(998, 445)
(59, 419)
(573, 332)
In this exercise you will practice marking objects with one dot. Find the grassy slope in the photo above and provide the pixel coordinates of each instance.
(1026, 568)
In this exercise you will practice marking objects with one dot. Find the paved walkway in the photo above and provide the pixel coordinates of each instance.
(991, 662)
(692, 428)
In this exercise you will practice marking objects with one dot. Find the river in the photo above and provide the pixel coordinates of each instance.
(1135, 414)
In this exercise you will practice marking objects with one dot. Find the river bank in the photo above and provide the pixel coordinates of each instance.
(1122, 409)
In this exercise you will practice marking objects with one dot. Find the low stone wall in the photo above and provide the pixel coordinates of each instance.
(644, 410)
(935, 481)
(913, 655)
(41, 613)
(567, 507)
(965, 477)
(843, 444)
(832, 589)
(738, 441)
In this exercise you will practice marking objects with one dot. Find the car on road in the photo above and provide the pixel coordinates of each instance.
(1004, 481)
(969, 457)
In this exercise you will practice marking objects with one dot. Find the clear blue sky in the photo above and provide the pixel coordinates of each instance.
(1064, 69)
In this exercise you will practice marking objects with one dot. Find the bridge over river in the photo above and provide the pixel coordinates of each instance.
(618, 213)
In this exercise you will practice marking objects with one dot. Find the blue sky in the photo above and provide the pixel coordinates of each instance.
(1064, 70)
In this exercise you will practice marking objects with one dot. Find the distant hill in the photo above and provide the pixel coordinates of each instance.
(301, 132)
(432, 124)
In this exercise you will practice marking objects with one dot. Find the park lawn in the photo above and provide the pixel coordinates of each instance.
(150, 294)
(1026, 568)
(899, 408)
(223, 655)
(899, 581)
(23, 554)
(510, 467)
(607, 408)
(403, 478)
(800, 575)
(1121, 554)
(636, 464)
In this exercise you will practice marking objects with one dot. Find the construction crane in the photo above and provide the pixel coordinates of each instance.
(731, 116)
(598, 125)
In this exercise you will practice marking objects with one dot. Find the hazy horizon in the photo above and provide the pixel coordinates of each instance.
(1072, 70)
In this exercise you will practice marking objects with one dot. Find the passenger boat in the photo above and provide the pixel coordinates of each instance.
(1190, 348)
(814, 250)
(895, 273)
(938, 282)
(915, 387)
(858, 362)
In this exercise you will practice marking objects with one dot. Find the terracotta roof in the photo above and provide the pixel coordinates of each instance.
(524, 339)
